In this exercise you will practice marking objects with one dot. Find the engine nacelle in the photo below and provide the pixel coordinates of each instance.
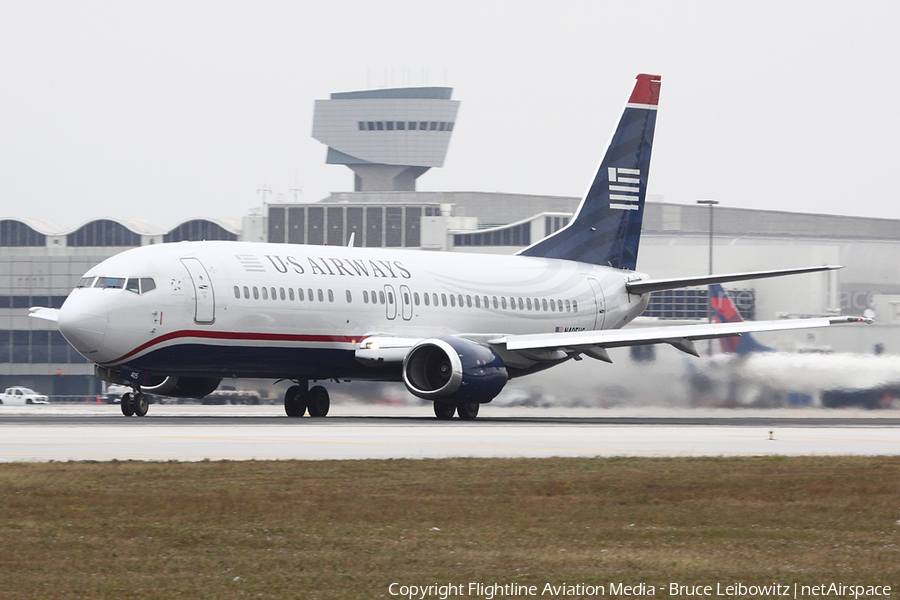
(452, 369)
(182, 387)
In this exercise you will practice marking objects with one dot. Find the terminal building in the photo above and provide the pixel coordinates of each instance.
(388, 138)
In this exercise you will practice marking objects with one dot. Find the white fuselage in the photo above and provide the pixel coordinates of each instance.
(278, 310)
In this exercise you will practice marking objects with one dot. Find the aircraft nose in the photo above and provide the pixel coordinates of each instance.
(83, 319)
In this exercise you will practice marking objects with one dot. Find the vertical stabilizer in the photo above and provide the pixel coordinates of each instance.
(725, 311)
(606, 229)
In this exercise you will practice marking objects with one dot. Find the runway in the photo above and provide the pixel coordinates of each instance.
(190, 433)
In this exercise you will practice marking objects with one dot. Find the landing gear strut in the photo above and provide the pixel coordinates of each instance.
(135, 403)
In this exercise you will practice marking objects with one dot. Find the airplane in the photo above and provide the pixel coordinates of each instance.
(175, 319)
(749, 373)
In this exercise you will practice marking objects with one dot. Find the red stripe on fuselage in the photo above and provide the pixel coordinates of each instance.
(225, 335)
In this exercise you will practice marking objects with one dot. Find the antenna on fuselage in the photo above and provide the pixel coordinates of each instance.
(352, 237)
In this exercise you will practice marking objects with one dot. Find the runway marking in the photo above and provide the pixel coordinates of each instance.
(794, 437)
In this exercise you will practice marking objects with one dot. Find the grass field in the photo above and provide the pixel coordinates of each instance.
(349, 529)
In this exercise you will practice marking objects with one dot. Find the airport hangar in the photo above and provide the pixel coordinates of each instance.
(389, 138)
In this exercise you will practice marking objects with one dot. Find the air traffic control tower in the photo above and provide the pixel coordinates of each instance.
(387, 137)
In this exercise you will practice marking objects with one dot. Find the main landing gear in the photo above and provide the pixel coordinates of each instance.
(135, 403)
(297, 400)
(467, 411)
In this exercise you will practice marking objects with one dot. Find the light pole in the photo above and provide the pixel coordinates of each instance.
(710, 204)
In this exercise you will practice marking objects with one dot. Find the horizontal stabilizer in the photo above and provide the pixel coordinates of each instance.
(656, 285)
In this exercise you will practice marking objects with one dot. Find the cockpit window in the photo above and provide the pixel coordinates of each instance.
(115, 283)
(132, 286)
(85, 282)
(147, 285)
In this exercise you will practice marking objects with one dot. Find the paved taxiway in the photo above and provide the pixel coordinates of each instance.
(72, 432)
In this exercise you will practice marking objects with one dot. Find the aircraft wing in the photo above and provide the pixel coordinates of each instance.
(551, 346)
(47, 314)
(654, 285)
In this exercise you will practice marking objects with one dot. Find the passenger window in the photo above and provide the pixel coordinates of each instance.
(246, 292)
(459, 297)
(468, 301)
(477, 302)
(544, 304)
(274, 295)
(452, 300)
(300, 294)
(443, 299)
(310, 295)
(391, 297)
(265, 293)
(365, 297)
(349, 297)
(559, 305)
(568, 306)
(237, 292)
(574, 305)
(485, 300)
(255, 293)
(132, 286)
(291, 293)
(426, 298)
(502, 303)
(553, 306)
(281, 293)
(434, 299)
(494, 298)
(416, 298)
(405, 298)
(320, 295)
(521, 304)
(381, 297)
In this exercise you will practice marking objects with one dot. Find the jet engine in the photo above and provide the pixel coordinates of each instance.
(452, 369)
(182, 387)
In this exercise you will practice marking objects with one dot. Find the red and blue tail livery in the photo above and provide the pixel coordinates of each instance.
(606, 229)
(725, 311)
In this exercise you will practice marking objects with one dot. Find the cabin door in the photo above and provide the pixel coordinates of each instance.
(390, 302)
(599, 303)
(204, 296)
(406, 303)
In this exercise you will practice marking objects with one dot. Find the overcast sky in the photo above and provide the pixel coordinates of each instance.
(170, 110)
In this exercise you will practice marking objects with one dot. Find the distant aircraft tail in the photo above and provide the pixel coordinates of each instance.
(725, 311)
(606, 229)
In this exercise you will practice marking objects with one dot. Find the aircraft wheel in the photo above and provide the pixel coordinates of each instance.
(318, 401)
(294, 401)
(141, 404)
(128, 404)
(444, 410)
(467, 411)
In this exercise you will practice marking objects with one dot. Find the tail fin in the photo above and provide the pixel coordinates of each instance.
(606, 229)
(724, 311)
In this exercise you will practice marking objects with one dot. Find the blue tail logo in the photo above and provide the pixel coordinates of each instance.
(606, 229)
